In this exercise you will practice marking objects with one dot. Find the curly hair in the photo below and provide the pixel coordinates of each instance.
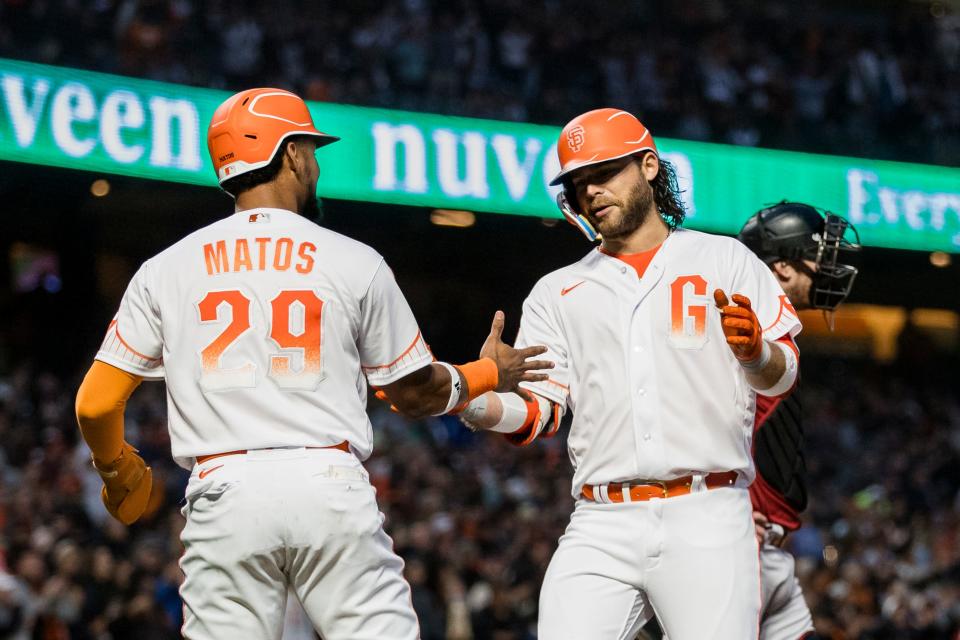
(666, 194)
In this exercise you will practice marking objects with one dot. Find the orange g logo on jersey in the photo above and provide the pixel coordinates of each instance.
(688, 312)
(575, 138)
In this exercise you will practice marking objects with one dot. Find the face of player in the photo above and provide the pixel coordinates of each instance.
(795, 282)
(616, 196)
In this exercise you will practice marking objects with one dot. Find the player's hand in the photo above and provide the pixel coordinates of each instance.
(513, 365)
(740, 326)
(760, 524)
(126, 485)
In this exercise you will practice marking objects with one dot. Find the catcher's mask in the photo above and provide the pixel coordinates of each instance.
(796, 232)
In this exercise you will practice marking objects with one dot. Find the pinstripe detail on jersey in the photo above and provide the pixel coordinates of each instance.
(115, 345)
(417, 352)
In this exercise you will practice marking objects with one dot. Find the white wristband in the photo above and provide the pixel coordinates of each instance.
(758, 363)
(789, 377)
(456, 386)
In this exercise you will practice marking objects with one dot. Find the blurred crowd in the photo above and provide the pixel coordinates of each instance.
(477, 519)
(876, 79)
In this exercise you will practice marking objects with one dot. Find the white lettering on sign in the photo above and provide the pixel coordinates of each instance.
(163, 114)
(870, 203)
(121, 110)
(474, 183)
(516, 175)
(175, 124)
(386, 138)
(73, 102)
(24, 117)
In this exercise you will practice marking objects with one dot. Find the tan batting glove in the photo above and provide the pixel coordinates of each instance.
(127, 482)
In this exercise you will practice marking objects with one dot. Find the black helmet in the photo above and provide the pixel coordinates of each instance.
(796, 232)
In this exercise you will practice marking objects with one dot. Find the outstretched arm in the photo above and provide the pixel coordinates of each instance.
(440, 387)
(770, 367)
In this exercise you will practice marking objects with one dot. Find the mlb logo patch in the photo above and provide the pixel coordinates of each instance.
(258, 217)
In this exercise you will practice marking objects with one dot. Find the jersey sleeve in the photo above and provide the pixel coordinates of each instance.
(390, 342)
(776, 315)
(134, 341)
(538, 326)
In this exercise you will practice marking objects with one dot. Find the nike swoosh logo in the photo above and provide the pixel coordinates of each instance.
(206, 472)
(564, 292)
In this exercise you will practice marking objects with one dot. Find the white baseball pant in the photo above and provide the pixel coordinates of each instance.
(784, 614)
(691, 560)
(306, 518)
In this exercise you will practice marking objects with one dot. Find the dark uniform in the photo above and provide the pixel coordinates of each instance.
(780, 489)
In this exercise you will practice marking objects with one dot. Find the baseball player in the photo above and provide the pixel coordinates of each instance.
(810, 254)
(662, 339)
(267, 329)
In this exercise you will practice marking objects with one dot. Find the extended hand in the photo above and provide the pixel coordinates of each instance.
(126, 485)
(740, 326)
(513, 365)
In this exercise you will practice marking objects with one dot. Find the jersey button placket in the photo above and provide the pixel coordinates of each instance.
(646, 437)
(640, 369)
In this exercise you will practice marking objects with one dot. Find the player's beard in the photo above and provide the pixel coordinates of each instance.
(633, 212)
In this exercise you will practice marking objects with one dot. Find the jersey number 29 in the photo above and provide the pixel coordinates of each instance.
(286, 311)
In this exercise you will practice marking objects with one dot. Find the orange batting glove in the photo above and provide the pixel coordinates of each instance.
(127, 482)
(740, 326)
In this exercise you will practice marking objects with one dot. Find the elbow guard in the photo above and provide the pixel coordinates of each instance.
(524, 420)
(521, 421)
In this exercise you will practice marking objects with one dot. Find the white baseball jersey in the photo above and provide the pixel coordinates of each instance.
(265, 326)
(643, 362)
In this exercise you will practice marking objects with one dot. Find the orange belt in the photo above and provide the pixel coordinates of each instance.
(342, 446)
(647, 489)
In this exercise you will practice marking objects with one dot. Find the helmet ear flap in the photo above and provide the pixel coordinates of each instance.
(574, 218)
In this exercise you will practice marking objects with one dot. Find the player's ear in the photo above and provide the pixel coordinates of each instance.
(650, 165)
(783, 270)
(291, 156)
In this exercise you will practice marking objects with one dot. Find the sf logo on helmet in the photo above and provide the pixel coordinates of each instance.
(575, 138)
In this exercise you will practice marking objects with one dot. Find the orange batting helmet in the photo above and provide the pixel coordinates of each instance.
(248, 128)
(598, 136)
(591, 138)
